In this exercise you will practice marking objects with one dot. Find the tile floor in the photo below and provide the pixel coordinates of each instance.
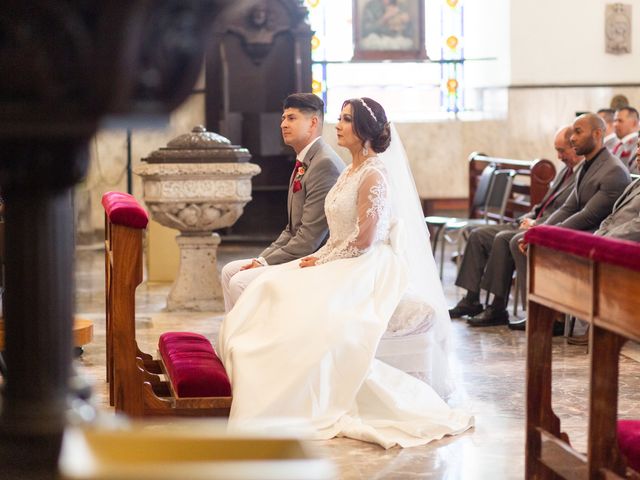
(490, 366)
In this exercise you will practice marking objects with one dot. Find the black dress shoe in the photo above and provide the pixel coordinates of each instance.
(491, 316)
(558, 327)
(464, 307)
(581, 340)
(518, 325)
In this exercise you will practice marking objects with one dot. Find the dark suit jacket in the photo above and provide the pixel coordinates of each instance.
(592, 199)
(624, 221)
(559, 190)
(307, 227)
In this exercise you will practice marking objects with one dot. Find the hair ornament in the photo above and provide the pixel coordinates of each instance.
(364, 104)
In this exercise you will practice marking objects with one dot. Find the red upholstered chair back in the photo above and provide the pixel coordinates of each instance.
(123, 209)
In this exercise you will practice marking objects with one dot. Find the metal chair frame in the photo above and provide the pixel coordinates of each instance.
(497, 196)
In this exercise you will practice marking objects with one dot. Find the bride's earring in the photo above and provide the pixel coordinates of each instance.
(365, 149)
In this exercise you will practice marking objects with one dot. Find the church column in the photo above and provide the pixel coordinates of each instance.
(67, 65)
(36, 181)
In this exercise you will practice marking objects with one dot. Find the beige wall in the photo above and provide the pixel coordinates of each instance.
(563, 42)
(438, 151)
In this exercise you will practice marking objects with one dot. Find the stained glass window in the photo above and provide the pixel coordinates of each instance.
(410, 90)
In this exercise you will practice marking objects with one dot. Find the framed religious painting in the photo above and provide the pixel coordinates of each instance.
(388, 30)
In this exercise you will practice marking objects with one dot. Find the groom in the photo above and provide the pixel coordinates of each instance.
(316, 170)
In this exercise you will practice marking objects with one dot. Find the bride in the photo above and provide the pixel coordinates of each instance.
(301, 341)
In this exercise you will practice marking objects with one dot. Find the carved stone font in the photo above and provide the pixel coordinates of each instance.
(196, 199)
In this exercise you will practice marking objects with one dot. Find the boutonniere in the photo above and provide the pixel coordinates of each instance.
(297, 185)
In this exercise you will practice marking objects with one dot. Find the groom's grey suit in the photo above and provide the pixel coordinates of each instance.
(306, 227)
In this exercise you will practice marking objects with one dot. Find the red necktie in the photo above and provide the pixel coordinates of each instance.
(617, 147)
(552, 197)
(295, 171)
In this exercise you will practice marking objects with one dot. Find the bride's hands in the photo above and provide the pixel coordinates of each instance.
(308, 262)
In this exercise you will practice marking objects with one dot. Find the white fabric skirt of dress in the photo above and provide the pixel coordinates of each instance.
(300, 344)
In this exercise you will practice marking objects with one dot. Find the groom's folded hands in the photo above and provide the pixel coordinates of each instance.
(255, 263)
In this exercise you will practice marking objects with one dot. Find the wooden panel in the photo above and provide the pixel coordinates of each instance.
(563, 279)
(562, 459)
(617, 301)
(566, 283)
(163, 254)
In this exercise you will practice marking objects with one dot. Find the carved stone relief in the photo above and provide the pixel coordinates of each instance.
(618, 28)
(259, 26)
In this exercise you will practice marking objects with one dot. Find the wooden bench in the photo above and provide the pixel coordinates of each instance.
(530, 186)
(595, 279)
(188, 378)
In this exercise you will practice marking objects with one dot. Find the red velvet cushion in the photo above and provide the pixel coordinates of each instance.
(124, 209)
(629, 441)
(623, 253)
(193, 366)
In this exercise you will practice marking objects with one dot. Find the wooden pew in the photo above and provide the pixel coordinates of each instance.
(138, 383)
(595, 279)
(530, 185)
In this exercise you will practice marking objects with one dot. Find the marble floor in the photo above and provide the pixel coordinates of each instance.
(489, 364)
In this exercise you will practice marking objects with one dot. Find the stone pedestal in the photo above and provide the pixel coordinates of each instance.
(198, 184)
(197, 286)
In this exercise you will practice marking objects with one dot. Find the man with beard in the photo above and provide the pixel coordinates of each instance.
(601, 180)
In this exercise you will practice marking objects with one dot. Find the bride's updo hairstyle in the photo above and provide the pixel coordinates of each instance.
(369, 122)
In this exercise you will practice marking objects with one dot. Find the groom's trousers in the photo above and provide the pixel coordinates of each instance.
(234, 281)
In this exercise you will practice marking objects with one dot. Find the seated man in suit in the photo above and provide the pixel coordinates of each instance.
(316, 171)
(623, 222)
(610, 138)
(625, 123)
(487, 262)
(601, 181)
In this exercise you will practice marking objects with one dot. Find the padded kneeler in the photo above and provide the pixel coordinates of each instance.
(629, 441)
(193, 366)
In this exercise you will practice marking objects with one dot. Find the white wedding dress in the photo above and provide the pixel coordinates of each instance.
(300, 342)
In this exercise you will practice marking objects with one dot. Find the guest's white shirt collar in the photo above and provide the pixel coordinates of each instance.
(304, 151)
(611, 136)
(629, 137)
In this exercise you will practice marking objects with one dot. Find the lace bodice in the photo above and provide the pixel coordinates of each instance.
(358, 212)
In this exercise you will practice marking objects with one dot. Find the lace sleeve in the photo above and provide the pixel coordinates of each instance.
(371, 206)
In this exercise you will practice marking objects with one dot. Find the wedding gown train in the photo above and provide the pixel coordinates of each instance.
(300, 342)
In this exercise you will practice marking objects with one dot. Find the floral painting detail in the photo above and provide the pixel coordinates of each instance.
(297, 185)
